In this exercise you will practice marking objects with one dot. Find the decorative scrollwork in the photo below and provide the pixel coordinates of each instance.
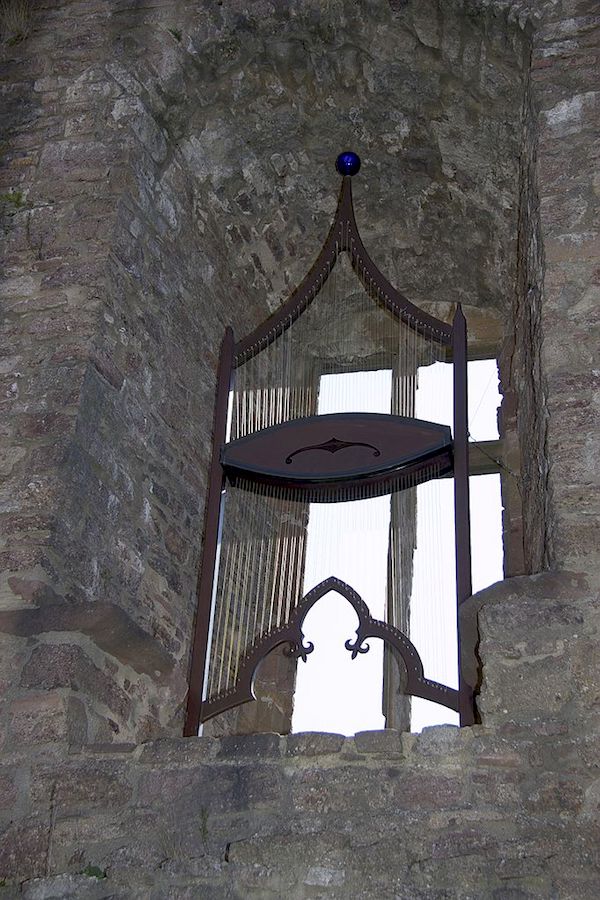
(298, 650)
(357, 647)
(292, 635)
(333, 445)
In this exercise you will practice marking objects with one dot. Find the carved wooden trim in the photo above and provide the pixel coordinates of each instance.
(291, 633)
(343, 236)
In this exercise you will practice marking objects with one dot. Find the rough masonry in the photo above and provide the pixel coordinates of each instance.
(167, 170)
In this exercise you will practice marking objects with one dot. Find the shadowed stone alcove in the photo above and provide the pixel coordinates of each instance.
(168, 170)
(194, 179)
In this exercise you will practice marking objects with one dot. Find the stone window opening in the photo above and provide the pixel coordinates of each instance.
(256, 408)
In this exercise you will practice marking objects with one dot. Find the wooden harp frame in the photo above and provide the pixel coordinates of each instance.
(338, 451)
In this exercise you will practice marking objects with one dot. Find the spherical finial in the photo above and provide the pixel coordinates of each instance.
(348, 163)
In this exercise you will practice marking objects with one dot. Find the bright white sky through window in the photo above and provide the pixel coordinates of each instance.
(338, 695)
(333, 692)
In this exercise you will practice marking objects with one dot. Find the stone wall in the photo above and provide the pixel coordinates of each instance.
(184, 129)
(505, 810)
(566, 84)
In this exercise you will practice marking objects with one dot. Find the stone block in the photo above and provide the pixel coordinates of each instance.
(525, 691)
(53, 666)
(82, 783)
(251, 745)
(80, 160)
(500, 789)
(59, 887)
(435, 791)
(178, 752)
(159, 788)
(426, 23)
(8, 789)
(441, 741)
(555, 792)
(386, 744)
(313, 743)
(50, 716)
(531, 649)
(24, 848)
(104, 749)
(462, 842)
(320, 791)
(92, 834)
(12, 653)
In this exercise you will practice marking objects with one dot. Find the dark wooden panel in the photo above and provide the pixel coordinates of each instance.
(334, 448)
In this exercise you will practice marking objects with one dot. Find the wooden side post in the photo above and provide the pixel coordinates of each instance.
(461, 496)
(210, 545)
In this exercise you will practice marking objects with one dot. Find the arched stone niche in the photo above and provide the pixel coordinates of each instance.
(195, 165)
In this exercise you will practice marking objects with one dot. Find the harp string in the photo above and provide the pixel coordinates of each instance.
(238, 589)
(252, 540)
(348, 328)
(216, 663)
(259, 598)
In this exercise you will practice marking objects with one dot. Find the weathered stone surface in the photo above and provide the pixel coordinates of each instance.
(8, 789)
(471, 812)
(142, 138)
(95, 783)
(23, 848)
(48, 716)
(386, 743)
(167, 171)
(256, 745)
(313, 744)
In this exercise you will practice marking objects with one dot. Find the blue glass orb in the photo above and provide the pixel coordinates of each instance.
(348, 163)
